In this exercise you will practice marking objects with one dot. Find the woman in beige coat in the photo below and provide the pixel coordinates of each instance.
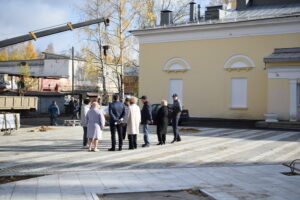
(133, 120)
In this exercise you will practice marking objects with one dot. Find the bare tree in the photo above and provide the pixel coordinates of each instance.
(122, 14)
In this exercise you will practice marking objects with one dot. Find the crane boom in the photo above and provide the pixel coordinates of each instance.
(35, 35)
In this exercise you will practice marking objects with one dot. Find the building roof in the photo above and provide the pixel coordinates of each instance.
(284, 55)
(33, 93)
(250, 13)
(12, 63)
(258, 12)
(55, 56)
(131, 71)
(92, 94)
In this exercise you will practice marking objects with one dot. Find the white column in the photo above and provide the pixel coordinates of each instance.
(293, 100)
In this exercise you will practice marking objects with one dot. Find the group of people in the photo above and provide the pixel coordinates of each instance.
(125, 119)
(74, 108)
(54, 111)
(162, 120)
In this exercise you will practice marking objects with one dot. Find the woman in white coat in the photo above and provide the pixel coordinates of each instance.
(133, 120)
(95, 123)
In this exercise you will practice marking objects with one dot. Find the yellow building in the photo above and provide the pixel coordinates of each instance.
(217, 66)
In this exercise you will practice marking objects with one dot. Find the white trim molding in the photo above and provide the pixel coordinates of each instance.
(239, 62)
(205, 30)
(176, 64)
(287, 72)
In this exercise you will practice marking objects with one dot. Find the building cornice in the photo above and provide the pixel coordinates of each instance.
(273, 26)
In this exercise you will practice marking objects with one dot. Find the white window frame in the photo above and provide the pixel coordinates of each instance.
(244, 104)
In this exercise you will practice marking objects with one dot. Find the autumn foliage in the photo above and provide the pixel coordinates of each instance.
(19, 52)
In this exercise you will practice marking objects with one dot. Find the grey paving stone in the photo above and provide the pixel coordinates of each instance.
(6, 190)
(48, 186)
(25, 190)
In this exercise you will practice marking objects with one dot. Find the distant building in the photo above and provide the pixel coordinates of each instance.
(53, 77)
(55, 74)
(237, 63)
(131, 80)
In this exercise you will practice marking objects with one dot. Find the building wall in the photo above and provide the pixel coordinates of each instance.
(131, 85)
(45, 102)
(206, 86)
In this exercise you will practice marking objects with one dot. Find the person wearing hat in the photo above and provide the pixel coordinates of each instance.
(146, 120)
(176, 111)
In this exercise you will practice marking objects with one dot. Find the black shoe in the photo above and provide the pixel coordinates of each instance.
(120, 149)
(131, 149)
(179, 140)
(111, 149)
(159, 143)
(173, 141)
(145, 145)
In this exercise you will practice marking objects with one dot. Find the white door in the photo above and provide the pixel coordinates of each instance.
(175, 86)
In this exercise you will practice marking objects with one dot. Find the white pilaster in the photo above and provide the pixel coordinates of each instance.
(293, 100)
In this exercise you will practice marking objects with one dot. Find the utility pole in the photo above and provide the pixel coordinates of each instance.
(73, 71)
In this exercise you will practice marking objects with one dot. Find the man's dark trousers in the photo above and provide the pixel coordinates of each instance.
(132, 141)
(85, 139)
(124, 129)
(53, 121)
(175, 120)
(113, 129)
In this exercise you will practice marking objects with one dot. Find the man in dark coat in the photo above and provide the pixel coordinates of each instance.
(76, 109)
(116, 113)
(124, 125)
(54, 112)
(146, 115)
(162, 122)
(176, 111)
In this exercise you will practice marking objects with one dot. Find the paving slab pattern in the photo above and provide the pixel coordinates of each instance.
(226, 163)
(59, 151)
(222, 183)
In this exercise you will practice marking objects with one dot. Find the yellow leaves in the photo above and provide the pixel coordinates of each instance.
(29, 82)
(30, 53)
(16, 54)
(24, 70)
(19, 52)
(3, 55)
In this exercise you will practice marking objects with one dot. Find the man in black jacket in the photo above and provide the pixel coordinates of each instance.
(116, 113)
(176, 111)
(146, 120)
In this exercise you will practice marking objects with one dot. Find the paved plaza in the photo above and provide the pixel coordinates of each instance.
(225, 163)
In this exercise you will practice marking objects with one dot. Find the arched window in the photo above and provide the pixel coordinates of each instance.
(176, 65)
(239, 62)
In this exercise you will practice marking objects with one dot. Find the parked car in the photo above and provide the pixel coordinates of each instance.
(184, 116)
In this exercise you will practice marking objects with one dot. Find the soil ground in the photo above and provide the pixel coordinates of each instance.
(167, 195)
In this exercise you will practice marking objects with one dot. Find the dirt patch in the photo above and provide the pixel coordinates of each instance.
(42, 129)
(290, 173)
(187, 130)
(169, 195)
(8, 179)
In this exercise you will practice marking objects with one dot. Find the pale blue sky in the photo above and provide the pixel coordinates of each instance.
(18, 17)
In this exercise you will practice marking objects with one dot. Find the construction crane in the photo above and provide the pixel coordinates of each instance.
(34, 35)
